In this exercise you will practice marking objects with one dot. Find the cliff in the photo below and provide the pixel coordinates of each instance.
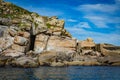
(30, 40)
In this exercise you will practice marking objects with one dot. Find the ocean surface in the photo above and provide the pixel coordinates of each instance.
(61, 73)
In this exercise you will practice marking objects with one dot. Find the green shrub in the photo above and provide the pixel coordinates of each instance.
(36, 25)
(48, 25)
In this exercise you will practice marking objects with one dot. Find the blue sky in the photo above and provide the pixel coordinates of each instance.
(98, 19)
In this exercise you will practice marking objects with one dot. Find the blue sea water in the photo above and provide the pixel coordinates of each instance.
(61, 73)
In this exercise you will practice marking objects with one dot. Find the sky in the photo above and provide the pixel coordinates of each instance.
(98, 19)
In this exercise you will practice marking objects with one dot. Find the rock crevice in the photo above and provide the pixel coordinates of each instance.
(32, 42)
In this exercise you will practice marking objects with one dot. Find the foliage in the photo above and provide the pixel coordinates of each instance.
(9, 10)
(48, 25)
(36, 24)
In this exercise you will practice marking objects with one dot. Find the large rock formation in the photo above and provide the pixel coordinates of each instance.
(61, 44)
(41, 41)
(29, 40)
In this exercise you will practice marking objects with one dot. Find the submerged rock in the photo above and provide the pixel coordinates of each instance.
(82, 63)
(57, 64)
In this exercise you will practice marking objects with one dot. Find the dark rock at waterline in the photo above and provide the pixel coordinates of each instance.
(25, 62)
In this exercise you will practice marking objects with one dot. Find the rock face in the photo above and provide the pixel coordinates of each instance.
(61, 44)
(15, 43)
(6, 42)
(24, 62)
(30, 40)
(12, 53)
(40, 43)
(87, 47)
(47, 57)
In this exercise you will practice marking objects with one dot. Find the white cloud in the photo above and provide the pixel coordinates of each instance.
(44, 11)
(71, 20)
(117, 2)
(103, 18)
(82, 34)
(101, 14)
(118, 27)
(98, 7)
(102, 21)
(82, 25)
(48, 12)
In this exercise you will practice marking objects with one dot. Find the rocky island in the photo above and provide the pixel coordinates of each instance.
(31, 40)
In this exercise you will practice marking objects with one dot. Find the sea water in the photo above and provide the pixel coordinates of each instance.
(61, 73)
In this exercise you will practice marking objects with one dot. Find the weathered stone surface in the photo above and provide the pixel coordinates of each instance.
(55, 64)
(19, 48)
(0, 50)
(57, 33)
(66, 33)
(24, 34)
(116, 64)
(38, 24)
(87, 43)
(12, 53)
(65, 56)
(20, 40)
(56, 22)
(61, 44)
(108, 49)
(3, 30)
(3, 61)
(40, 43)
(12, 32)
(87, 47)
(109, 60)
(25, 62)
(55, 26)
(6, 42)
(15, 21)
(91, 52)
(47, 57)
(85, 58)
(5, 21)
(19, 27)
(82, 63)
